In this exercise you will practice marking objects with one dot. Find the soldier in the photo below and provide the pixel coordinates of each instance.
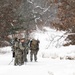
(13, 51)
(18, 53)
(34, 48)
(22, 48)
(26, 48)
(13, 48)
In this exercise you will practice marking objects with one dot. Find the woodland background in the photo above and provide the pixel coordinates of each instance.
(17, 15)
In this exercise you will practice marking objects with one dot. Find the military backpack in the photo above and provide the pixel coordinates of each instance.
(34, 45)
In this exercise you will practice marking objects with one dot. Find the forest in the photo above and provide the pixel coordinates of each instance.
(27, 15)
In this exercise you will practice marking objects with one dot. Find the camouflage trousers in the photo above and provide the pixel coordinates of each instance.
(33, 54)
(18, 58)
(25, 55)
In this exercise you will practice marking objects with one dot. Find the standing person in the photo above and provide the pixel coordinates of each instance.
(26, 48)
(18, 53)
(34, 48)
(15, 47)
(22, 48)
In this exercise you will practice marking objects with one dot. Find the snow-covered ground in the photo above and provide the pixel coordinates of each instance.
(51, 60)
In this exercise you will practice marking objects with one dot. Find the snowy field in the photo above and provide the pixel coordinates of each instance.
(53, 59)
(49, 63)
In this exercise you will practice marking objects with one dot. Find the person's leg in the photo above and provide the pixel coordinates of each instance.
(31, 56)
(15, 61)
(35, 55)
(25, 56)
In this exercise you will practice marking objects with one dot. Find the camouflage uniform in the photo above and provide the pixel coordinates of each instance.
(13, 52)
(18, 54)
(13, 47)
(18, 57)
(26, 48)
(34, 47)
(22, 48)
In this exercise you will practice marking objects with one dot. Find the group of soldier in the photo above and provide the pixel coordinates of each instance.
(21, 48)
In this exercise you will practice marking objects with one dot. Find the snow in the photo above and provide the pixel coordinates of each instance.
(52, 60)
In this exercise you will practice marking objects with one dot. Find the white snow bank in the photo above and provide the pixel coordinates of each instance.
(61, 53)
(4, 50)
